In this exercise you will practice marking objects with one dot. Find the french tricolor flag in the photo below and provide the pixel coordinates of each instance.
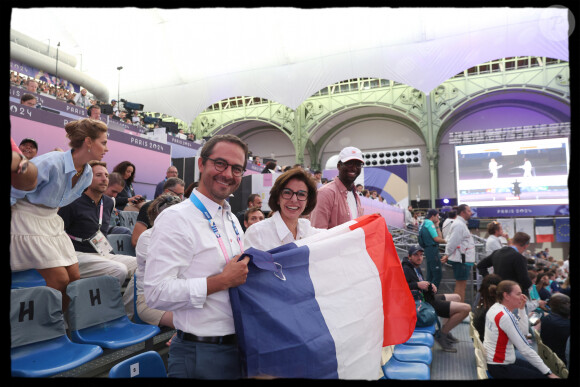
(325, 306)
(544, 230)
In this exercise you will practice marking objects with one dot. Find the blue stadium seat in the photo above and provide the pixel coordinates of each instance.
(421, 338)
(40, 346)
(97, 315)
(128, 219)
(121, 244)
(144, 365)
(136, 318)
(27, 279)
(395, 369)
(430, 329)
(413, 353)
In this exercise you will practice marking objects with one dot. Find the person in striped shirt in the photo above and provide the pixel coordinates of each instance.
(502, 333)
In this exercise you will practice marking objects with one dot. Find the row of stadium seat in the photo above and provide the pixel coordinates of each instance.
(40, 346)
(410, 360)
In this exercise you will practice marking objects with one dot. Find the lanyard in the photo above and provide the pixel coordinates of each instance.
(214, 228)
(98, 229)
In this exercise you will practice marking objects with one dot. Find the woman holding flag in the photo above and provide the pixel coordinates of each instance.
(292, 196)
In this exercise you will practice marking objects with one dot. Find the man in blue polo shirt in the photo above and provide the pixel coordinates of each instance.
(429, 239)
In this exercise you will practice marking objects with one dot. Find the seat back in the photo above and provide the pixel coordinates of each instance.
(128, 219)
(35, 315)
(144, 365)
(94, 301)
(27, 279)
(121, 244)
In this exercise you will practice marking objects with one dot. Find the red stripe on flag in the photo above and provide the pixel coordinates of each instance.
(502, 340)
(399, 311)
(544, 238)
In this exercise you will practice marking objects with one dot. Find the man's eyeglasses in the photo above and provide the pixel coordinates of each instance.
(221, 165)
(180, 195)
(288, 193)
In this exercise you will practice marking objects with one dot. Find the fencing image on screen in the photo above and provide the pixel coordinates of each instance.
(529, 172)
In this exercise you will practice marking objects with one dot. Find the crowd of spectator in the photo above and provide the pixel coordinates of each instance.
(299, 196)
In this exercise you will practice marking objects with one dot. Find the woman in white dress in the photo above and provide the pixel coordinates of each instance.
(291, 198)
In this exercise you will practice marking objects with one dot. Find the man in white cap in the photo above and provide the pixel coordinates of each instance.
(337, 201)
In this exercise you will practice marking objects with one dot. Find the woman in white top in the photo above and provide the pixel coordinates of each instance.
(149, 315)
(502, 333)
(292, 196)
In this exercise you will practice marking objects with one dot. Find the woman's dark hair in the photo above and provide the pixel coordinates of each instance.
(487, 293)
(122, 167)
(282, 181)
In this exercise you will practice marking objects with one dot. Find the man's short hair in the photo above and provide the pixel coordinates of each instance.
(92, 163)
(116, 178)
(172, 182)
(521, 238)
(207, 148)
(452, 214)
(461, 208)
(492, 227)
(251, 198)
(26, 97)
(251, 210)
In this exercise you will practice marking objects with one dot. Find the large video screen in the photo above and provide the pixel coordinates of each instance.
(531, 172)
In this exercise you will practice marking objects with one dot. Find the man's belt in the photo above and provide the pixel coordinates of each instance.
(228, 339)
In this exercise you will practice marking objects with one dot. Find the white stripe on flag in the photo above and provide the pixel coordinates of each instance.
(526, 225)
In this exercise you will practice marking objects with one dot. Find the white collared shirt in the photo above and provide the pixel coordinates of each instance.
(273, 232)
(183, 252)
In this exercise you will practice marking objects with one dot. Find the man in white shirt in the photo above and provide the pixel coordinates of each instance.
(460, 250)
(82, 99)
(191, 267)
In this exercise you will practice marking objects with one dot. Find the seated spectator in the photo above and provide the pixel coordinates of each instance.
(23, 174)
(565, 288)
(374, 195)
(174, 186)
(116, 185)
(254, 200)
(448, 306)
(94, 112)
(502, 333)
(171, 172)
(127, 195)
(28, 147)
(28, 100)
(486, 300)
(150, 315)
(31, 85)
(270, 167)
(542, 286)
(253, 215)
(292, 196)
(554, 285)
(535, 301)
(555, 329)
(86, 221)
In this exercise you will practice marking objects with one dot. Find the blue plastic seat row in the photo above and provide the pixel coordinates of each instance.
(97, 320)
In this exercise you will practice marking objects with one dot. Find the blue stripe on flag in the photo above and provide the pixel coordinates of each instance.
(544, 222)
(281, 331)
